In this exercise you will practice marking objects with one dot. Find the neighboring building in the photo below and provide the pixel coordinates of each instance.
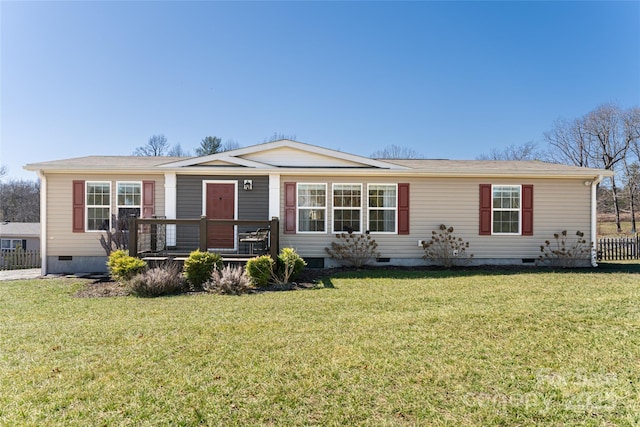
(504, 209)
(24, 235)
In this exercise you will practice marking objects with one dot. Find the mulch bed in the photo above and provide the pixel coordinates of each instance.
(309, 278)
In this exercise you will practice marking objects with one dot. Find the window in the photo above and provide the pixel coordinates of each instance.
(506, 206)
(129, 199)
(347, 207)
(312, 207)
(382, 208)
(12, 244)
(98, 206)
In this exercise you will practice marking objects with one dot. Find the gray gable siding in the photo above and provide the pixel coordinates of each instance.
(252, 204)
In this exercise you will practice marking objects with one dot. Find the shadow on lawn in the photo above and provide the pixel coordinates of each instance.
(433, 271)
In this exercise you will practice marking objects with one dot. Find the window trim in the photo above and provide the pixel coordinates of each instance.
(359, 209)
(519, 210)
(118, 205)
(298, 207)
(11, 246)
(87, 205)
(369, 208)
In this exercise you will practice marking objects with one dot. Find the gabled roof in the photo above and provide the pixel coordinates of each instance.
(286, 156)
(19, 229)
(285, 153)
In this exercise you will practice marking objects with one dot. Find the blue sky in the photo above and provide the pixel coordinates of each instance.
(450, 80)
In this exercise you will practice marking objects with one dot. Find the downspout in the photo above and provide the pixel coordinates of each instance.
(594, 220)
(43, 223)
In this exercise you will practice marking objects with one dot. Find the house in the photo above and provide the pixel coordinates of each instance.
(504, 209)
(23, 235)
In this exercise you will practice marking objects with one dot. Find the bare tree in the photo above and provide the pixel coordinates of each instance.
(278, 136)
(156, 146)
(230, 144)
(527, 151)
(3, 171)
(396, 152)
(178, 151)
(605, 126)
(569, 142)
(20, 201)
(602, 138)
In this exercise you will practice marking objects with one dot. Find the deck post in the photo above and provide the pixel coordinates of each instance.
(274, 227)
(203, 233)
(133, 236)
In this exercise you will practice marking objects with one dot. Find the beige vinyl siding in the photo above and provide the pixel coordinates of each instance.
(60, 238)
(558, 205)
(286, 156)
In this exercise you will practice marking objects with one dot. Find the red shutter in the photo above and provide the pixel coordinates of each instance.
(148, 196)
(403, 208)
(78, 207)
(290, 207)
(527, 210)
(485, 209)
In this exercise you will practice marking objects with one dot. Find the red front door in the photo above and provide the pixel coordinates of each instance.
(220, 205)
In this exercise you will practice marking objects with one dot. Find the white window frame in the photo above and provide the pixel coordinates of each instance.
(87, 206)
(394, 208)
(494, 210)
(13, 245)
(118, 205)
(317, 208)
(342, 208)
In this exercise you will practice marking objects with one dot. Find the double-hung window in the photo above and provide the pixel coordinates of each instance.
(506, 209)
(347, 208)
(98, 205)
(382, 208)
(312, 208)
(129, 199)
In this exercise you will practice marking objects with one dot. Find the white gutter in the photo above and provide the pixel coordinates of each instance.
(594, 220)
(43, 222)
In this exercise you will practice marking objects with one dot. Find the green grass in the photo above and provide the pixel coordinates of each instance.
(609, 229)
(371, 348)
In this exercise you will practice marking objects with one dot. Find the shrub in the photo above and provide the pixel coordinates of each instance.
(123, 266)
(118, 238)
(260, 270)
(355, 250)
(229, 281)
(289, 265)
(164, 280)
(444, 249)
(561, 252)
(200, 265)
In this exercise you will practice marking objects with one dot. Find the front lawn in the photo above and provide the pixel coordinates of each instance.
(369, 348)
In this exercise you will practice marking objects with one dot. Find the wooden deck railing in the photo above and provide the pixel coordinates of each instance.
(179, 237)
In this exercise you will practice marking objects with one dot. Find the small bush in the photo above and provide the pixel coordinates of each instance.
(563, 253)
(289, 265)
(260, 270)
(158, 281)
(200, 265)
(354, 250)
(229, 281)
(446, 250)
(123, 267)
(116, 238)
